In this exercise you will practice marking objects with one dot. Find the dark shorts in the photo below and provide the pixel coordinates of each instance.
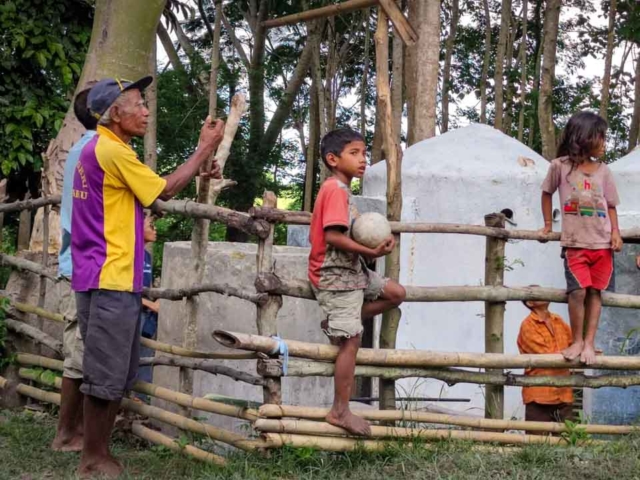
(110, 327)
(540, 412)
(588, 269)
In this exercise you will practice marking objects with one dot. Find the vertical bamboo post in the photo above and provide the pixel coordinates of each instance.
(393, 154)
(267, 315)
(494, 313)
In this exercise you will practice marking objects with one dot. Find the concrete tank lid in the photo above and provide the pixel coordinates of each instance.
(628, 164)
(475, 150)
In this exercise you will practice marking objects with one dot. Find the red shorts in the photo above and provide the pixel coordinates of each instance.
(588, 268)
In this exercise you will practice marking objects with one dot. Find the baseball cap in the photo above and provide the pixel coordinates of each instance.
(105, 92)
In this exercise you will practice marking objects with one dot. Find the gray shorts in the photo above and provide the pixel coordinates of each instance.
(110, 327)
(344, 308)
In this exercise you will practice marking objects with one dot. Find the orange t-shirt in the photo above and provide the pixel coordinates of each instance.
(536, 337)
(330, 268)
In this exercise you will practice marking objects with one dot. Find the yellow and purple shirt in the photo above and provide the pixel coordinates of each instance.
(110, 188)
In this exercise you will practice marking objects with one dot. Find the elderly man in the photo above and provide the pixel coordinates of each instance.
(111, 187)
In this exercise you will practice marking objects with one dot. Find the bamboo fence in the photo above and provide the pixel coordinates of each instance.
(413, 416)
(321, 429)
(419, 358)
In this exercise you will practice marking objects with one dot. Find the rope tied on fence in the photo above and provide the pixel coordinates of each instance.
(281, 348)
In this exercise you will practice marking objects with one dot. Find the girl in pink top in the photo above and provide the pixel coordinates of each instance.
(590, 233)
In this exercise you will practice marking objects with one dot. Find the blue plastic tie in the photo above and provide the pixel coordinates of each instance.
(283, 349)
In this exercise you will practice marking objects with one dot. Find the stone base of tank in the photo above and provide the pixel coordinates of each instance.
(235, 264)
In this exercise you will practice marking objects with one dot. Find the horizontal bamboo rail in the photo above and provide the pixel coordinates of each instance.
(419, 358)
(222, 289)
(330, 10)
(306, 427)
(208, 366)
(185, 352)
(40, 312)
(158, 438)
(32, 204)
(145, 388)
(309, 368)
(35, 334)
(239, 220)
(300, 288)
(276, 215)
(27, 265)
(317, 413)
(156, 413)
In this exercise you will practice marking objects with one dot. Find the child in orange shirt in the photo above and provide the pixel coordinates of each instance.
(545, 332)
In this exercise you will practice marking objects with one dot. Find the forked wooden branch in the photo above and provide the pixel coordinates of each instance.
(35, 334)
(222, 289)
(328, 11)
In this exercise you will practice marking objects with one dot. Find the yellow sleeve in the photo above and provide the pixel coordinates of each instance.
(145, 184)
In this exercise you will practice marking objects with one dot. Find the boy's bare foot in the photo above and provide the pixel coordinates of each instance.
(350, 422)
(588, 355)
(107, 467)
(573, 351)
(67, 443)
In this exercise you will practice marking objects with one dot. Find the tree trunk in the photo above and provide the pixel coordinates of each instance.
(446, 74)
(510, 85)
(505, 24)
(121, 41)
(151, 97)
(365, 72)
(410, 72)
(169, 48)
(485, 62)
(523, 69)
(536, 76)
(426, 68)
(397, 96)
(606, 79)
(312, 153)
(634, 131)
(545, 102)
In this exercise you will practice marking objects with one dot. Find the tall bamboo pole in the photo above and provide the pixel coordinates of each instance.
(267, 314)
(391, 319)
(494, 313)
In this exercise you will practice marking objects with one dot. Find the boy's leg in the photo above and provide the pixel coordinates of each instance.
(387, 294)
(594, 306)
(344, 379)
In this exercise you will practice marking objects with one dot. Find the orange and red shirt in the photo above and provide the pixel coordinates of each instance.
(536, 337)
(330, 268)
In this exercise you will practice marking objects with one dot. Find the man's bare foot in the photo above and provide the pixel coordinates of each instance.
(107, 467)
(350, 422)
(66, 443)
(588, 355)
(573, 351)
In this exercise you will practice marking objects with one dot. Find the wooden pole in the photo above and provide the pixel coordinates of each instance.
(35, 334)
(185, 352)
(267, 314)
(494, 313)
(305, 427)
(421, 358)
(328, 11)
(221, 288)
(391, 319)
(28, 265)
(172, 444)
(209, 366)
(30, 204)
(318, 413)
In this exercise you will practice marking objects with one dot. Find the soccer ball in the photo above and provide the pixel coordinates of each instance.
(370, 229)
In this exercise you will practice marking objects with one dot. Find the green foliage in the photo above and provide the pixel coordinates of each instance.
(576, 433)
(42, 49)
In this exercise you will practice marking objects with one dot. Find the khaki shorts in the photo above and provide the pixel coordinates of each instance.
(344, 308)
(72, 344)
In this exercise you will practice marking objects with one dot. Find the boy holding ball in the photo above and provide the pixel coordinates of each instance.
(345, 289)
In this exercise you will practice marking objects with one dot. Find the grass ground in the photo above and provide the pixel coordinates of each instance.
(25, 438)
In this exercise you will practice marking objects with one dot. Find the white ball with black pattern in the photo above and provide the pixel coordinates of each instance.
(370, 229)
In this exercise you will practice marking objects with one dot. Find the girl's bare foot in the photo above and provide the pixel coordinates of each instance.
(573, 351)
(588, 355)
(350, 422)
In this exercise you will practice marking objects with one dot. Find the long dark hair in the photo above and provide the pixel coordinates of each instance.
(581, 136)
